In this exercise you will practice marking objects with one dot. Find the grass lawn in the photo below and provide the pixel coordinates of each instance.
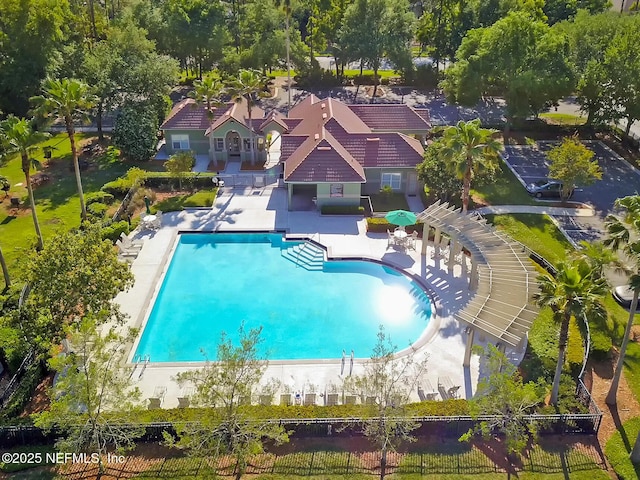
(57, 201)
(381, 73)
(563, 119)
(386, 203)
(619, 447)
(201, 198)
(505, 190)
(537, 232)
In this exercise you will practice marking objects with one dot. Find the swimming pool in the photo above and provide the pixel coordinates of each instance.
(308, 308)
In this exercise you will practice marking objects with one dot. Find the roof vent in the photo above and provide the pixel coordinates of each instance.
(316, 136)
(324, 115)
(324, 148)
(376, 139)
(322, 105)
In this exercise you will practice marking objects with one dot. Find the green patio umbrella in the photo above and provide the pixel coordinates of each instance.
(401, 217)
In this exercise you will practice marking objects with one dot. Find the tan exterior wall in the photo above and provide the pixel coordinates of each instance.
(350, 194)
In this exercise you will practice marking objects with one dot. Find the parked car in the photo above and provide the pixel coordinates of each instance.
(624, 295)
(546, 188)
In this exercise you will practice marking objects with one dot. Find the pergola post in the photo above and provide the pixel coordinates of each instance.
(452, 254)
(425, 238)
(436, 236)
(467, 351)
(473, 276)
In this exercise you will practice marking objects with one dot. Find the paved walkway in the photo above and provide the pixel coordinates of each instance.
(537, 209)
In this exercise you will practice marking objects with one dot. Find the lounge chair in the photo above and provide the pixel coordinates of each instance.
(266, 400)
(184, 400)
(126, 252)
(332, 399)
(157, 223)
(310, 399)
(129, 243)
(350, 400)
(285, 399)
(155, 402)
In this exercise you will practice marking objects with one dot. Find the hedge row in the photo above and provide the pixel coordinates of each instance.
(431, 408)
(342, 210)
(120, 186)
(381, 225)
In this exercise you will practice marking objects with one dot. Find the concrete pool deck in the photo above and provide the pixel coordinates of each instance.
(265, 209)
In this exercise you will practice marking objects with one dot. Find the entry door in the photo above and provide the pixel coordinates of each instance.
(412, 187)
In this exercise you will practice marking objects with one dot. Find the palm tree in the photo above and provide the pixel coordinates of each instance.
(246, 86)
(471, 149)
(67, 100)
(622, 234)
(17, 136)
(5, 270)
(576, 290)
(208, 92)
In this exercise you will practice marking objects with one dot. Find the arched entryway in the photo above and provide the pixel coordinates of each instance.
(232, 141)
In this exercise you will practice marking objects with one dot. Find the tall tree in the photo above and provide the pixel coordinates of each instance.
(286, 6)
(32, 34)
(388, 381)
(226, 384)
(622, 74)
(373, 28)
(623, 234)
(470, 149)
(94, 402)
(76, 274)
(67, 100)
(208, 92)
(18, 136)
(572, 163)
(245, 87)
(503, 394)
(576, 291)
(519, 57)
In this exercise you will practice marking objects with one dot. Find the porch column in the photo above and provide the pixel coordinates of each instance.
(467, 350)
(464, 264)
(453, 248)
(425, 238)
(473, 276)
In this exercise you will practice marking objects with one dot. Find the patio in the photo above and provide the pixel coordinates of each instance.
(343, 236)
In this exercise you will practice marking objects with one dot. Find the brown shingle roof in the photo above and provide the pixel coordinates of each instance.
(323, 160)
(385, 117)
(188, 115)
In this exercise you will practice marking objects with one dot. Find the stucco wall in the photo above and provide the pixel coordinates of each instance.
(198, 143)
(350, 195)
(374, 177)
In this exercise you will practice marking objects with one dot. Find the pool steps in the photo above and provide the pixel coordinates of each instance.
(305, 255)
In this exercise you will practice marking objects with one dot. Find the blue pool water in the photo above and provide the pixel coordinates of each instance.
(216, 281)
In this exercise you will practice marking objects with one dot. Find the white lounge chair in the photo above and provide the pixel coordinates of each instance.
(129, 243)
(126, 252)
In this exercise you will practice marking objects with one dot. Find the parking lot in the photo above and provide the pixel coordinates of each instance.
(619, 179)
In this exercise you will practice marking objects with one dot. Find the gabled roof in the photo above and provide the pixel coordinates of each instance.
(323, 159)
(239, 112)
(188, 115)
(387, 117)
(276, 117)
(383, 150)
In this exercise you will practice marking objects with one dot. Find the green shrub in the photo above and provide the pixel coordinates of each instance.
(342, 210)
(575, 348)
(118, 187)
(600, 345)
(99, 196)
(381, 225)
(97, 209)
(113, 230)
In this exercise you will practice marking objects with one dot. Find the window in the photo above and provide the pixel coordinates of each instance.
(336, 190)
(219, 144)
(391, 179)
(246, 142)
(180, 142)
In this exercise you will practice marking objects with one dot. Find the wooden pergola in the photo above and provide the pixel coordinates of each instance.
(502, 275)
